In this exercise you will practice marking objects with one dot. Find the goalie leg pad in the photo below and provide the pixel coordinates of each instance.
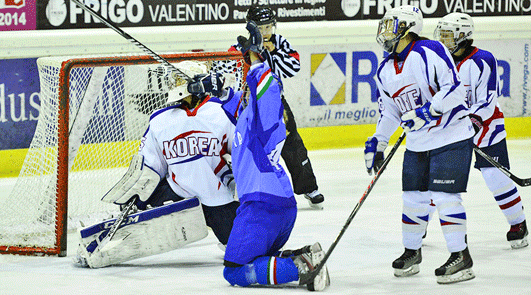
(146, 233)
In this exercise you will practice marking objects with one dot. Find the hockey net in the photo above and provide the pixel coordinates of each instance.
(94, 111)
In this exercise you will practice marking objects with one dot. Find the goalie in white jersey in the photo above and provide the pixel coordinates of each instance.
(419, 89)
(478, 70)
(183, 158)
(186, 145)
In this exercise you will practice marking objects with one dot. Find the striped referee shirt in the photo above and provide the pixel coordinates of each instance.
(284, 60)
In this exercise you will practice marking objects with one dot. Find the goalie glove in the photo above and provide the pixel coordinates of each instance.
(417, 118)
(374, 156)
(206, 83)
(254, 43)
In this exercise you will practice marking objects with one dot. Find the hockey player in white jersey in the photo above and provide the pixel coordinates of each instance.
(420, 90)
(478, 70)
(182, 156)
(186, 144)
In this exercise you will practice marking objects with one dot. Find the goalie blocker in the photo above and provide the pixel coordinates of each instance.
(143, 234)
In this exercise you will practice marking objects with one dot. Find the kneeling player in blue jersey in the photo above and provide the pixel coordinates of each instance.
(268, 209)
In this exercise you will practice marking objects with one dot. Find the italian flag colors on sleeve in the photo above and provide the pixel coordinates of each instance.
(264, 83)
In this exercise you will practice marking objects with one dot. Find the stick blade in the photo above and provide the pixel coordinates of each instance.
(311, 276)
(523, 182)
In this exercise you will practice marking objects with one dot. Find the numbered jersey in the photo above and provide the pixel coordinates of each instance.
(423, 72)
(186, 146)
(479, 74)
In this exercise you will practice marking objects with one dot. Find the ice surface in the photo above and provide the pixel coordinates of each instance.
(360, 264)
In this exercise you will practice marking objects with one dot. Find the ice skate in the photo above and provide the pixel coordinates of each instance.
(306, 263)
(315, 199)
(79, 260)
(297, 252)
(457, 268)
(408, 264)
(517, 235)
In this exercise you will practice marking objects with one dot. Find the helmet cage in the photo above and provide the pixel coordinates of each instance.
(390, 31)
(189, 68)
(453, 30)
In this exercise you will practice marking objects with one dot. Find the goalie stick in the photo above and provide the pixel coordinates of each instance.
(104, 239)
(312, 274)
(116, 225)
(137, 43)
(519, 181)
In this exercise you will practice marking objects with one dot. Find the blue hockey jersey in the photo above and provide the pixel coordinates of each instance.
(259, 138)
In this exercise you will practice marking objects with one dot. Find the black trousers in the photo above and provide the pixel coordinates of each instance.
(218, 218)
(295, 155)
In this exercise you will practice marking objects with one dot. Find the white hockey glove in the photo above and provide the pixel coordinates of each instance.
(138, 180)
(417, 118)
(228, 160)
(231, 183)
(374, 154)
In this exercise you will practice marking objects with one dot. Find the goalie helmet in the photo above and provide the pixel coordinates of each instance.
(190, 68)
(453, 30)
(396, 24)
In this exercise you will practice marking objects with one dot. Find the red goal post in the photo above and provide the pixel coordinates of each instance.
(94, 111)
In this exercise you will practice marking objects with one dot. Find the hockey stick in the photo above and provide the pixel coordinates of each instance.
(519, 181)
(318, 268)
(137, 43)
(106, 240)
(116, 225)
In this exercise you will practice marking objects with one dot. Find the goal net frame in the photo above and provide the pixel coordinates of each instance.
(63, 120)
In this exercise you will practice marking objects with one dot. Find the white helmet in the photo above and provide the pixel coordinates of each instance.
(453, 29)
(190, 68)
(396, 24)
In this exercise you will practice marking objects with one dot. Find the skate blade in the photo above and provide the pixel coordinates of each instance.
(412, 270)
(460, 276)
(517, 244)
(315, 206)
